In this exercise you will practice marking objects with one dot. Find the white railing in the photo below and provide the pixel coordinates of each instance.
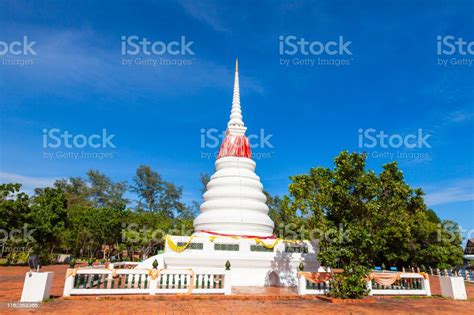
(90, 281)
(467, 274)
(306, 287)
(408, 284)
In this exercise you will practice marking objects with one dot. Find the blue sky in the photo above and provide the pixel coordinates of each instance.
(393, 82)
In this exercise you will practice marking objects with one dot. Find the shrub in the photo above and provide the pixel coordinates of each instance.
(350, 284)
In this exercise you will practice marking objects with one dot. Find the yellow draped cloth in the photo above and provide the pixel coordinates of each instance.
(175, 247)
(269, 246)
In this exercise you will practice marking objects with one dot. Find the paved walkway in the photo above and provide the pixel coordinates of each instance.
(245, 301)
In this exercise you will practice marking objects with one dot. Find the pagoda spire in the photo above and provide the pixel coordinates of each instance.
(236, 124)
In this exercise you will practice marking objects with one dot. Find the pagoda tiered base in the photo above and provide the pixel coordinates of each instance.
(251, 263)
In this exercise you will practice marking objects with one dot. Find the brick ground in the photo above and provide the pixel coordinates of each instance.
(246, 301)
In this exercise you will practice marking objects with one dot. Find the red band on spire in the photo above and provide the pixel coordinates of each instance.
(235, 145)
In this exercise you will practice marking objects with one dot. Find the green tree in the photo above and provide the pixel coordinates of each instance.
(204, 178)
(48, 211)
(148, 185)
(14, 215)
(76, 190)
(156, 194)
(104, 192)
(383, 219)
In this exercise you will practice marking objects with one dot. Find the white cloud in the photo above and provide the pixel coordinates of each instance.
(69, 61)
(459, 116)
(206, 12)
(457, 191)
(28, 183)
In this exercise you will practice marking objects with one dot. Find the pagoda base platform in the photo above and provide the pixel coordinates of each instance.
(251, 263)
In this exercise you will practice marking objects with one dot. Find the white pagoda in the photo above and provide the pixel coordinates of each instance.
(233, 224)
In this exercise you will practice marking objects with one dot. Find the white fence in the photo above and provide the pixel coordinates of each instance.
(306, 287)
(408, 284)
(90, 281)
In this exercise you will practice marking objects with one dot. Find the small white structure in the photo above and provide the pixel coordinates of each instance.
(453, 287)
(37, 286)
(233, 224)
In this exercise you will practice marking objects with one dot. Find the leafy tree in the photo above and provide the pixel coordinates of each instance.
(48, 210)
(170, 201)
(76, 191)
(148, 185)
(14, 215)
(14, 207)
(204, 179)
(383, 219)
(145, 232)
(285, 217)
(104, 192)
(156, 194)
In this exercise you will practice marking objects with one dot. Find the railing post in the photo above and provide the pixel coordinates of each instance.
(369, 287)
(301, 285)
(426, 286)
(68, 285)
(154, 285)
(227, 282)
(109, 281)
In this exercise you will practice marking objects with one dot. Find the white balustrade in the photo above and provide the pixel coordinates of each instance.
(408, 284)
(306, 287)
(89, 281)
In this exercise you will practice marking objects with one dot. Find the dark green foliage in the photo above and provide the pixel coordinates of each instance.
(368, 219)
(350, 283)
(88, 218)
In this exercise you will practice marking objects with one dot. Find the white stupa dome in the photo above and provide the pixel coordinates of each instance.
(234, 203)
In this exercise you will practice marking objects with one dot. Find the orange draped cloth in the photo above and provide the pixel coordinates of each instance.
(316, 277)
(425, 275)
(384, 279)
(71, 272)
